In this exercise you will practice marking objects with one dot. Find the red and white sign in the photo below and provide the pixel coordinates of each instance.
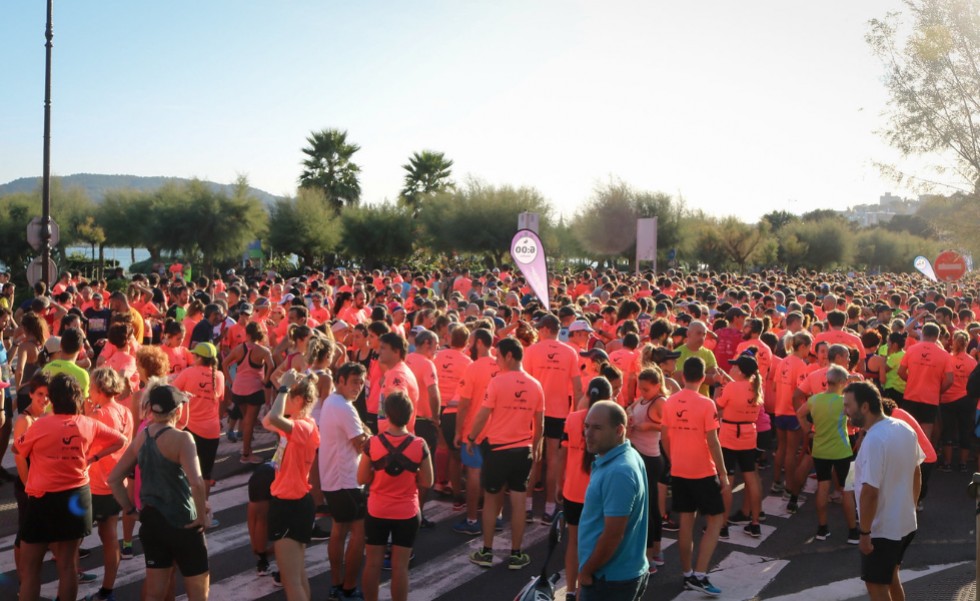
(950, 266)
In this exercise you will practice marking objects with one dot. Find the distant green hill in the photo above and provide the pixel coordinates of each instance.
(96, 185)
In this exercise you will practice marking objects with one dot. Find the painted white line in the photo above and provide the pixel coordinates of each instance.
(562, 586)
(854, 587)
(741, 576)
(775, 506)
(737, 536)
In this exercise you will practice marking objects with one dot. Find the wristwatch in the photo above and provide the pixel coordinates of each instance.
(283, 389)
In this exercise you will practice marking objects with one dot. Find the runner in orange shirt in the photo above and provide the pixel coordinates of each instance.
(392, 350)
(427, 420)
(835, 334)
(105, 386)
(740, 402)
(957, 407)
(554, 365)
(789, 435)
(450, 364)
(928, 371)
(471, 392)
(204, 383)
(510, 424)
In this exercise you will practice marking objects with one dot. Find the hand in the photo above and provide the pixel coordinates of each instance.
(585, 578)
(202, 523)
(559, 498)
(457, 441)
(726, 484)
(865, 545)
(536, 453)
(289, 378)
(3, 418)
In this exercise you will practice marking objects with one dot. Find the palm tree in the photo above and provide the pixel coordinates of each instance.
(428, 172)
(328, 167)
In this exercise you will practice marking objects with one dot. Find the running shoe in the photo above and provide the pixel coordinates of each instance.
(443, 489)
(83, 552)
(945, 468)
(276, 580)
(459, 504)
(705, 586)
(836, 497)
(481, 558)
(776, 488)
(739, 518)
(658, 560)
(427, 524)
(355, 595)
(793, 506)
(723, 535)
(86, 577)
(97, 596)
(465, 527)
(548, 518)
(753, 530)
(319, 533)
(214, 524)
(853, 536)
(518, 560)
(762, 516)
(963, 468)
(669, 525)
(336, 593)
(652, 569)
(126, 551)
(232, 436)
(251, 458)
(262, 568)
(823, 532)
(529, 516)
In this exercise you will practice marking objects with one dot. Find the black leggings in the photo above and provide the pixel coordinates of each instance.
(655, 467)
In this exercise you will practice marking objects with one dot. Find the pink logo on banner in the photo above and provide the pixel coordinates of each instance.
(528, 254)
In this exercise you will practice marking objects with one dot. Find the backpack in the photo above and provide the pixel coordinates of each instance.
(395, 462)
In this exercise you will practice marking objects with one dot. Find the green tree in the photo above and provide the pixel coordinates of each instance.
(121, 216)
(932, 75)
(427, 173)
(777, 219)
(329, 167)
(606, 225)
(221, 225)
(879, 249)
(816, 245)
(742, 242)
(304, 226)
(375, 235)
(913, 224)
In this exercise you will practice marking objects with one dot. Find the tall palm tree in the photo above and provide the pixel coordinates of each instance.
(428, 172)
(328, 167)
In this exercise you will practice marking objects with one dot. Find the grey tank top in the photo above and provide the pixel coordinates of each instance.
(163, 484)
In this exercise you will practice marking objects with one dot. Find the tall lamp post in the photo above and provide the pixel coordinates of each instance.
(46, 173)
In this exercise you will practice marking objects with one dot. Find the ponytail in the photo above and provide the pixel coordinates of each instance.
(756, 381)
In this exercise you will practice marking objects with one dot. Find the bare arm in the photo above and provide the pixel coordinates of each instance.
(117, 477)
(613, 531)
(424, 478)
(192, 469)
(435, 403)
(365, 473)
(715, 447)
(947, 381)
(480, 421)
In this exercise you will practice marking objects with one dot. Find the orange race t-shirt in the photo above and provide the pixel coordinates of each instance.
(58, 447)
(815, 382)
(553, 364)
(180, 357)
(473, 386)
(963, 365)
(576, 479)
(927, 449)
(206, 395)
(839, 337)
(739, 414)
(119, 418)
(791, 372)
(424, 371)
(395, 497)
(293, 476)
(515, 399)
(401, 378)
(450, 365)
(927, 364)
(688, 417)
(763, 354)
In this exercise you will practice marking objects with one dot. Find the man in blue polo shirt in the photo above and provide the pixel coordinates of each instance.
(612, 532)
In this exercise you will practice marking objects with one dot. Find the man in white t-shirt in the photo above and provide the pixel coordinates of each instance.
(887, 480)
(342, 436)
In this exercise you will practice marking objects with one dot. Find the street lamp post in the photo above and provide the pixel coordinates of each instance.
(46, 173)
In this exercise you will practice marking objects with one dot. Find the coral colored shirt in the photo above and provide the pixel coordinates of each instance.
(120, 419)
(688, 417)
(395, 497)
(424, 371)
(58, 447)
(790, 374)
(206, 389)
(399, 377)
(450, 365)
(180, 357)
(927, 364)
(293, 477)
(839, 337)
(576, 479)
(963, 365)
(737, 401)
(473, 386)
(515, 399)
(553, 364)
(927, 449)
(763, 354)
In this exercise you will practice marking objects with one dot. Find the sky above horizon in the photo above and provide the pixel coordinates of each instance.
(739, 108)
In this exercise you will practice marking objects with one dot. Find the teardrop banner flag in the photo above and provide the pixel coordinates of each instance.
(528, 255)
(925, 267)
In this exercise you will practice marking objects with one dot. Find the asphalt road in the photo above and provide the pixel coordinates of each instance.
(787, 563)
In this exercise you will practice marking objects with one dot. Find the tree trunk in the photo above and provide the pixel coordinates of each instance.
(101, 271)
(132, 254)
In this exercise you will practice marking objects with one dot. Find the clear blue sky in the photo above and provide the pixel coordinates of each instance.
(738, 106)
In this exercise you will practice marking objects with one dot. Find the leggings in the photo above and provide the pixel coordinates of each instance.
(655, 467)
(958, 422)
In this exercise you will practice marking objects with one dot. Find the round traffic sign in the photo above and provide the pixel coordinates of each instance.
(949, 266)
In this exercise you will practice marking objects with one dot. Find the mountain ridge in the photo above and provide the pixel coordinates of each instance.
(97, 184)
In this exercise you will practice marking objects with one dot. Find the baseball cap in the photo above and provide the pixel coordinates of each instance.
(746, 363)
(246, 309)
(166, 399)
(339, 326)
(287, 298)
(580, 325)
(52, 345)
(205, 349)
(662, 354)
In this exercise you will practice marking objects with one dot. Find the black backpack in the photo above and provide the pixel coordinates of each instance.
(395, 462)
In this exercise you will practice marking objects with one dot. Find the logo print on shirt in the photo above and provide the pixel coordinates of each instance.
(519, 394)
(447, 365)
(552, 356)
(680, 414)
(68, 440)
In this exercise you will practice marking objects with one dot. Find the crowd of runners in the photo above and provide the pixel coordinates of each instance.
(389, 388)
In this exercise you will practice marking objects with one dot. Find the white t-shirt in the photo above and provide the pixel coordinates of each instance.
(887, 459)
(338, 424)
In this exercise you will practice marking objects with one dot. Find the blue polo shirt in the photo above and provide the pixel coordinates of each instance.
(617, 488)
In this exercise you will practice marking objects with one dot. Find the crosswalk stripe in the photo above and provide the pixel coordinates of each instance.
(854, 587)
